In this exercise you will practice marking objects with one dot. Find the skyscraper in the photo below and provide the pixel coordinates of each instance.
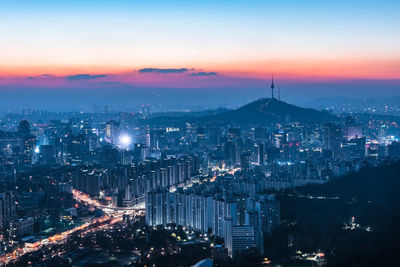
(333, 138)
(7, 208)
(28, 141)
(239, 239)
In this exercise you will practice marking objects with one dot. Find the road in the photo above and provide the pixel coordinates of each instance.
(60, 238)
(112, 216)
(87, 200)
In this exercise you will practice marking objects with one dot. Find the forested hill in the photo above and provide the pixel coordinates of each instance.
(319, 214)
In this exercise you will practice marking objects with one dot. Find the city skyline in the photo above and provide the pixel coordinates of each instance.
(199, 133)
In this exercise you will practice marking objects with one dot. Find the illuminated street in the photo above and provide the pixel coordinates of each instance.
(87, 200)
(113, 215)
(97, 224)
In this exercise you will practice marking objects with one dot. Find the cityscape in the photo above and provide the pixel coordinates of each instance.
(179, 135)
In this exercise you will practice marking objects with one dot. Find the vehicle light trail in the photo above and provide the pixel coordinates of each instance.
(113, 215)
(86, 199)
(105, 221)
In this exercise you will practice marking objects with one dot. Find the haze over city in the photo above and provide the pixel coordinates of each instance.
(199, 133)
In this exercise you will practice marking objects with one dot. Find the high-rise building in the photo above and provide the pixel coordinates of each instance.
(46, 154)
(333, 139)
(239, 239)
(112, 131)
(259, 154)
(353, 149)
(28, 141)
(245, 161)
(24, 128)
(89, 181)
(271, 211)
(7, 208)
(159, 208)
(351, 129)
(24, 226)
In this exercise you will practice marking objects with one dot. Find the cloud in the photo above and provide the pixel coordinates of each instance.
(164, 71)
(45, 75)
(203, 73)
(80, 77)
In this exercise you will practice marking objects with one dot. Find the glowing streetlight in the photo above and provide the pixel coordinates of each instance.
(125, 141)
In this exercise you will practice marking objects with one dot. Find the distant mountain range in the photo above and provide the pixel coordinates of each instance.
(270, 110)
(357, 102)
(261, 111)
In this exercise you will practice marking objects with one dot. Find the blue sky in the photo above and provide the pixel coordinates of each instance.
(242, 42)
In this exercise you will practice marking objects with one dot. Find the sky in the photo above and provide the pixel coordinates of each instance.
(323, 48)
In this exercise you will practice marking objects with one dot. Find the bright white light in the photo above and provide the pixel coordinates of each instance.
(125, 140)
(37, 150)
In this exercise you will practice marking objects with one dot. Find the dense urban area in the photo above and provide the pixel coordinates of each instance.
(266, 184)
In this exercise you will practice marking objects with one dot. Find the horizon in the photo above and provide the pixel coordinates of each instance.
(128, 98)
(313, 49)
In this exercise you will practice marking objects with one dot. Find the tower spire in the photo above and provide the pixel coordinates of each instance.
(272, 86)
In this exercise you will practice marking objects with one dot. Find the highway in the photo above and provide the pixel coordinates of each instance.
(112, 215)
(87, 200)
